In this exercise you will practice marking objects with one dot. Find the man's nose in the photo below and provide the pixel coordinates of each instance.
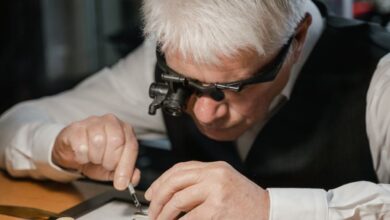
(207, 110)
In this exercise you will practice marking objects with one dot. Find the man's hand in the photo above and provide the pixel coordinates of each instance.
(206, 191)
(102, 148)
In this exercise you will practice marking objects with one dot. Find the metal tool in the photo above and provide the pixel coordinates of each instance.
(135, 199)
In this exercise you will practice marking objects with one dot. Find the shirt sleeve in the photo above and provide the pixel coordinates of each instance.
(28, 130)
(358, 200)
(378, 119)
(294, 203)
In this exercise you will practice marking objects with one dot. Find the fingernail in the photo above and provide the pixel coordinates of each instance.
(121, 183)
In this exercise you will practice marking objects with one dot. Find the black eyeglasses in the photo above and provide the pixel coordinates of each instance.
(267, 74)
(172, 94)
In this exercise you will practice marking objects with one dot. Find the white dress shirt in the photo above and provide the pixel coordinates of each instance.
(28, 131)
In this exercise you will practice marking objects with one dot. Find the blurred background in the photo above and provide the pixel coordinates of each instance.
(47, 46)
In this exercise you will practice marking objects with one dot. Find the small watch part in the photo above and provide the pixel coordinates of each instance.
(139, 216)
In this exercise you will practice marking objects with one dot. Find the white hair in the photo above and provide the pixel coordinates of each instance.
(207, 29)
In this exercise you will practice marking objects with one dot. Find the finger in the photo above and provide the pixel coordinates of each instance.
(182, 202)
(96, 142)
(177, 182)
(136, 177)
(167, 175)
(115, 141)
(124, 170)
(96, 172)
(79, 144)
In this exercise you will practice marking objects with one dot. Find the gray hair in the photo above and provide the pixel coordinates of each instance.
(207, 29)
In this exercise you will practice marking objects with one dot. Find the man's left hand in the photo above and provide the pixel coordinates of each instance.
(206, 191)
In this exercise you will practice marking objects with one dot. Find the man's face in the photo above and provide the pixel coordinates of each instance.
(231, 117)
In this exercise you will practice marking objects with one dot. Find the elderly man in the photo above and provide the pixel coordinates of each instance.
(246, 103)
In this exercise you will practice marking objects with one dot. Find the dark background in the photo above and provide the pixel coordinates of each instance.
(47, 46)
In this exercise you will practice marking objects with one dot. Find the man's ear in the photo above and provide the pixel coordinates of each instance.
(301, 33)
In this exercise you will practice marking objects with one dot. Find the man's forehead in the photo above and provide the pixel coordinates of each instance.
(238, 67)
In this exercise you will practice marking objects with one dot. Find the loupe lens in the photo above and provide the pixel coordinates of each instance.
(176, 102)
(173, 109)
(156, 89)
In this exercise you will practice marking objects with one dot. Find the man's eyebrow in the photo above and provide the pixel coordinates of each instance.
(210, 83)
(179, 74)
(186, 77)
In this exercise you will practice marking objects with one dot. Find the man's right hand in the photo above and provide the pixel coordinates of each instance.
(101, 148)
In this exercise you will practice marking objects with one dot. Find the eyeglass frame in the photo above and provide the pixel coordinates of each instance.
(215, 90)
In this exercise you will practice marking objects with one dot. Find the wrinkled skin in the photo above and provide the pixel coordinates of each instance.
(101, 148)
(206, 191)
